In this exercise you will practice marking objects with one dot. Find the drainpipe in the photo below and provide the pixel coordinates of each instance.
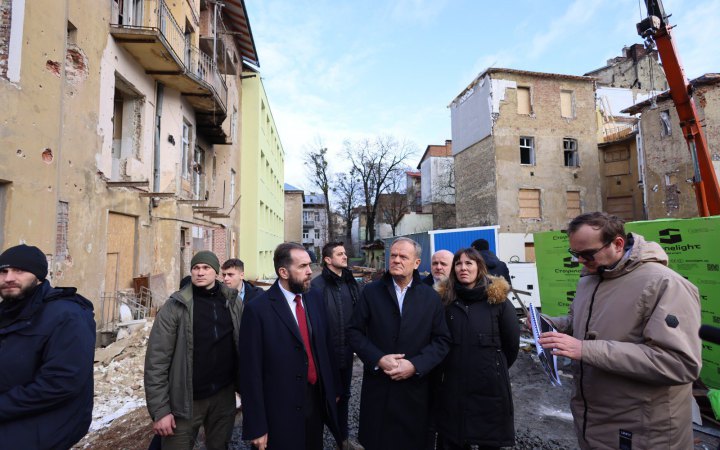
(156, 145)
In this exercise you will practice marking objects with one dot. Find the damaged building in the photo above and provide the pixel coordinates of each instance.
(122, 136)
(525, 150)
(665, 162)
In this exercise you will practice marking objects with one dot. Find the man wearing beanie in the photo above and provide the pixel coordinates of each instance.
(47, 346)
(191, 364)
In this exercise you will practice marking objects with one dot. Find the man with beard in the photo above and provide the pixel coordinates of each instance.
(340, 292)
(286, 378)
(47, 345)
(440, 265)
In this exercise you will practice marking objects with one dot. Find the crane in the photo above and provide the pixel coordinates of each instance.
(656, 31)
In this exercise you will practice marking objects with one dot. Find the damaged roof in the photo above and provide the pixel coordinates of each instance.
(238, 21)
(495, 70)
(708, 79)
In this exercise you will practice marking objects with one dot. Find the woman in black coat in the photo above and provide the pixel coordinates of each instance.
(473, 402)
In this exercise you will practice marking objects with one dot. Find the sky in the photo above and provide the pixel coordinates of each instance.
(337, 70)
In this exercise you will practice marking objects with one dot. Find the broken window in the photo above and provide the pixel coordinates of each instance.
(529, 202)
(186, 146)
(198, 173)
(527, 151)
(128, 106)
(666, 128)
(524, 105)
(570, 153)
(567, 104)
(573, 204)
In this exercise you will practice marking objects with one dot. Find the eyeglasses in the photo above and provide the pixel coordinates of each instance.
(587, 255)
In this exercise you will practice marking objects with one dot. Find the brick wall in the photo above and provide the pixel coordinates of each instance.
(5, 20)
(476, 188)
(219, 243)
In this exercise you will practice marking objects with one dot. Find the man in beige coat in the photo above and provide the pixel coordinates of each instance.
(632, 333)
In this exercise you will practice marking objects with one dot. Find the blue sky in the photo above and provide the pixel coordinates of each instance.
(336, 69)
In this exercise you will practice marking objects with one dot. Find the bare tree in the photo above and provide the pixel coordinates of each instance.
(374, 161)
(394, 203)
(347, 190)
(316, 165)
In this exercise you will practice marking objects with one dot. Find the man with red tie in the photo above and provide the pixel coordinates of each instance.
(287, 382)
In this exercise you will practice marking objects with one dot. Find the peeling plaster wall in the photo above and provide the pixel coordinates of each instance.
(668, 165)
(489, 174)
(476, 194)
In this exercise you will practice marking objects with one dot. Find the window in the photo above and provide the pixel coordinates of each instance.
(570, 153)
(523, 101)
(317, 234)
(128, 105)
(529, 201)
(306, 234)
(317, 216)
(186, 146)
(198, 173)
(666, 129)
(567, 104)
(573, 204)
(12, 19)
(527, 151)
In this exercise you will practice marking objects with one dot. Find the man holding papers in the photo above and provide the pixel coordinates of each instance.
(632, 336)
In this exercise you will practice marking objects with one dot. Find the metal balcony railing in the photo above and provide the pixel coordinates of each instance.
(157, 16)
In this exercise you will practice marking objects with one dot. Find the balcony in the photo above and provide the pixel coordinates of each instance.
(307, 224)
(153, 37)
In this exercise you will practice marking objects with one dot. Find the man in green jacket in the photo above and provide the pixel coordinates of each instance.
(191, 364)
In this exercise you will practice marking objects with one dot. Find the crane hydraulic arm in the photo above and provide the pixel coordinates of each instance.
(655, 29)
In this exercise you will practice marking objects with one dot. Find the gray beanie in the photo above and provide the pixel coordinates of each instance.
(206, 257)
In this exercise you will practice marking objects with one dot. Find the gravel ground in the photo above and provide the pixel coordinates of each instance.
(538, 427)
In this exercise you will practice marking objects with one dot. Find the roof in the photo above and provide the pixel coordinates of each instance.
(289, 187)
(315, 199)
(238, 20)
(434, 150)
(410, 173)
(708, 79)
(495, 70)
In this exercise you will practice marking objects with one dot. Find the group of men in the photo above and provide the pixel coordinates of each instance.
(631, 333)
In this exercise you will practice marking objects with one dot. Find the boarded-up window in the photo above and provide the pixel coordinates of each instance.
(621, 207)
(523, 100)
(573, 204)
(529, 200)
(567, 106)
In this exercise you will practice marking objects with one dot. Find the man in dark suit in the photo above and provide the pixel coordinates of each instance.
(494, 265)
(287, 382)
(399, 332)
(233, 275)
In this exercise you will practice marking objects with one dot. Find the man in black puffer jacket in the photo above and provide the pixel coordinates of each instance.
(47, 345)
(340, 292)
(494, 265)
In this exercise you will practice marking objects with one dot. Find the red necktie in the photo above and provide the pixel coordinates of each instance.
(302, 324)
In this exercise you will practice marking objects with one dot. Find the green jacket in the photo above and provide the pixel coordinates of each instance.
(169, 362)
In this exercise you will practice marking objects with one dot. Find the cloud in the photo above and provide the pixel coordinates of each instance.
(570, 23)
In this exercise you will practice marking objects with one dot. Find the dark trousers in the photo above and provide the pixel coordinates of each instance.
(342, 406)
(215, 413)
(446, 445)
(314, 417)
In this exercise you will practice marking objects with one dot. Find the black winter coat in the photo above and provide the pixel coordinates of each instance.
(46, 371)
(339, 311)
(251, 291)
(473, 397)
(495, 266)
(395, 414)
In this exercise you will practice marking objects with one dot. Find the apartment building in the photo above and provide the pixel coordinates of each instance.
(525, 150)
(123, 119)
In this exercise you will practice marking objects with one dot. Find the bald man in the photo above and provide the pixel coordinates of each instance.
(440, 265)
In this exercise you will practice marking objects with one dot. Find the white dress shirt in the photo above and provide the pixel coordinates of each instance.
(400, 293)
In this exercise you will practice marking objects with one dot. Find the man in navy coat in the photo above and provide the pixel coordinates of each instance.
(287, 384)
(399, 331)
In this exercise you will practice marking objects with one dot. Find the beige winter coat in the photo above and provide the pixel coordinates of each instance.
(639, 325)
